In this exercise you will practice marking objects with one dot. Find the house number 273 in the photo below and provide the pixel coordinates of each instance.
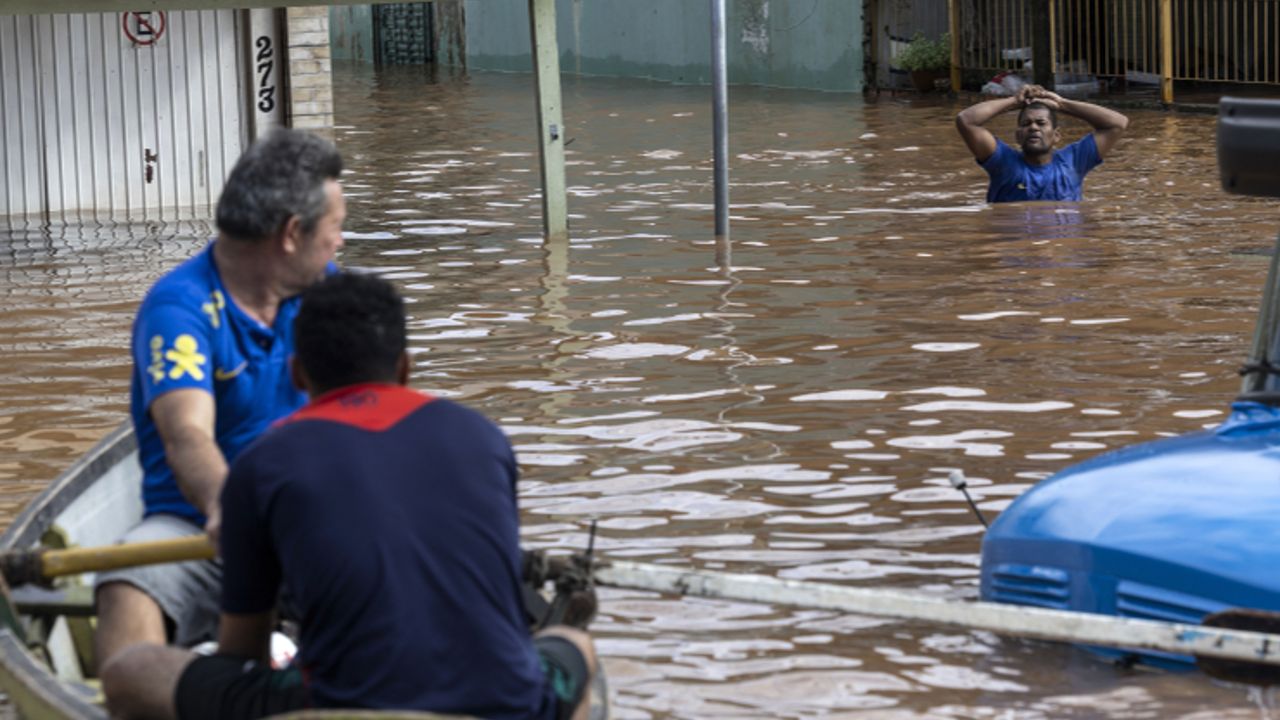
(266, 63)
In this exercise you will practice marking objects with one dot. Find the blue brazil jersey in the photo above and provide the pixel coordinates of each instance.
(1062, 178)
(391, 518)
(189, 334)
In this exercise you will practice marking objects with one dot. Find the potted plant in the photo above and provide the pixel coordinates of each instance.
(926, 60)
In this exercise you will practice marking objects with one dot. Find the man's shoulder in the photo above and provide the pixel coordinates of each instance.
(272, 455)
(1085, 140)
(192, 279)
(1079, 157)
(446, 410)
(384, 409)
(327, 432)
(1001, 154)
(1086, 144)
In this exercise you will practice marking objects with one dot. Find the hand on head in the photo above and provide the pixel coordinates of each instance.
(1036, 94)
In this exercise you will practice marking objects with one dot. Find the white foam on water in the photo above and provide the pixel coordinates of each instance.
(945, 347)
(634, 351)
(972, 406)
(841, 396)
(996, 315)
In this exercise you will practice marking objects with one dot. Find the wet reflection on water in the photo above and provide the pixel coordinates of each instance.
(791, 403)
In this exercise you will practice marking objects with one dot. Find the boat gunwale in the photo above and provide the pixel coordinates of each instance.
(36, 691)
(31, 685)
(39, 515)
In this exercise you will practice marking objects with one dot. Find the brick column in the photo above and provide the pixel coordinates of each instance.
(310, 71)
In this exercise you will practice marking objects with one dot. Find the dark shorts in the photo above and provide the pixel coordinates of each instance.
(220, 686)
(566, 671)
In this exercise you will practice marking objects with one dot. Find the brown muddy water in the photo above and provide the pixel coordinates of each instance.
(788, 403)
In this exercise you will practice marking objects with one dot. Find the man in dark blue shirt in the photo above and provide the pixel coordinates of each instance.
(211, 343)
(1038, 172)
(391, 517)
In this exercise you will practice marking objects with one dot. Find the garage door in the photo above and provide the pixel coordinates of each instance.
(120, 116)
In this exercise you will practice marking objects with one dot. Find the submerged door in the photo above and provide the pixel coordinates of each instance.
(125, 116)
(404, 33)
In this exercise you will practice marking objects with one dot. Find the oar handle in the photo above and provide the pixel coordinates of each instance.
(55, 563)
(34, 565)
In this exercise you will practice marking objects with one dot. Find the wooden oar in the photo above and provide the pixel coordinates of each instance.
(29, 566)
(1221, 650)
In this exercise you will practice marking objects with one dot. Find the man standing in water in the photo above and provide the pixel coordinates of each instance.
(1038, 172)
(391, 516)
(211, 344)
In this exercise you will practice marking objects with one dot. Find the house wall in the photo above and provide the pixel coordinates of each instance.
(785, 43)
(310, 68)
(351, 32)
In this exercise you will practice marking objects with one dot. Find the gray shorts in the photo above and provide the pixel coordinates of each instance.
(189, 593)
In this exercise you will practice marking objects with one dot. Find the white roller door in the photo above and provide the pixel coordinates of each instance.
(124, 116)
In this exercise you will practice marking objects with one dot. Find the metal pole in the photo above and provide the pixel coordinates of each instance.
(720, 118)
(953, 28)
(1264, 331)
(546, 76)
(1041, 43)
(1166, 51)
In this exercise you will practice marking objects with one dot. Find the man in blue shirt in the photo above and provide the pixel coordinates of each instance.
(1038, 172)
(211, 343)
(391, 517)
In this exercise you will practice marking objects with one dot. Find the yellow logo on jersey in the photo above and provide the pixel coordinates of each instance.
(223, 375)
(186, 358)
(156, 368)
(214, 307)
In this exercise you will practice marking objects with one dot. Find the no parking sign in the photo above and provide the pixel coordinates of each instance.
(143, 27)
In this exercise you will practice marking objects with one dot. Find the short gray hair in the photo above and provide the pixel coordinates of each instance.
(279, 176)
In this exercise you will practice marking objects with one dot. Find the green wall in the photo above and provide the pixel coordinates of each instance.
(351, 32)
(813, 44)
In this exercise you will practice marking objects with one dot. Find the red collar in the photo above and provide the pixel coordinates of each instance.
(370, 406)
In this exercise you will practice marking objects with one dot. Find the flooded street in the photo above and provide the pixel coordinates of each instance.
(787, 403)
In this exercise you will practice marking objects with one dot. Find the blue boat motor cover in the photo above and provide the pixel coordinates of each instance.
(1171, 529)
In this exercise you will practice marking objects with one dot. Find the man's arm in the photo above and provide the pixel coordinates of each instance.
(185, 420)
(1108, 125)
(246, 636)
(970, 121)
(250, 569)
